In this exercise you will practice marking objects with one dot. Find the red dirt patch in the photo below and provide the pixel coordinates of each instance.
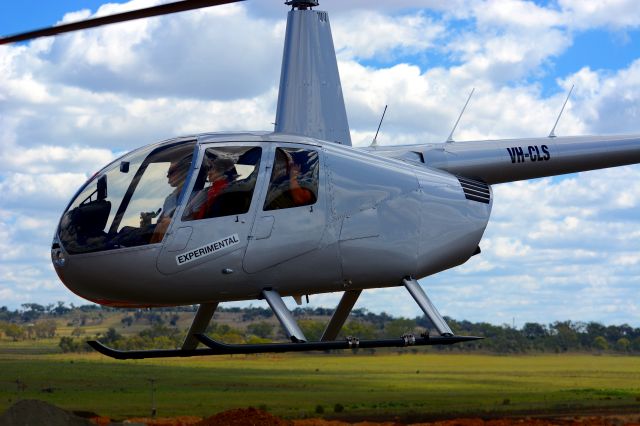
(244, 417)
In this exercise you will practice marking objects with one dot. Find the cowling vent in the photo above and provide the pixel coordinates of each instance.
(475, 190)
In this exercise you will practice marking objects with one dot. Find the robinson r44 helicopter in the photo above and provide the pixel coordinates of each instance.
(218, 217)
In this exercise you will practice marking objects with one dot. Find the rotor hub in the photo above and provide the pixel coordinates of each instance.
(302, 4)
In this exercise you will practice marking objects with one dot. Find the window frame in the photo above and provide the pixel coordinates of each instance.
(178, 219)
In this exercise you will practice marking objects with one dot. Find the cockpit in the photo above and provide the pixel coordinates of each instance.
(133, 201)
(127, 203)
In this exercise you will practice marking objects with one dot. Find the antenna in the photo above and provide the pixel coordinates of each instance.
(450, 138)
(375, 138)
(552, 134)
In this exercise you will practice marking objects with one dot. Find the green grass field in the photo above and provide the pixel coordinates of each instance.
(293, 386)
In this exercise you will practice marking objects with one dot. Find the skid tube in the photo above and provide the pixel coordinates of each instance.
(218, 348)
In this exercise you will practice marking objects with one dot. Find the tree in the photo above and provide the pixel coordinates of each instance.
(533, 330)
(14, 332)
(67, 344)
(398, 327)
(33, 307)
(45, 329)
(32, 311)
(111, 336)
(174, 320)
(623, 344)
(261, 329)
(565, 335)
(359, 329)
(600, 343)
(312, 329)
(60, 309)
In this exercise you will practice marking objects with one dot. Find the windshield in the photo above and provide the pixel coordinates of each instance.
(130, 203)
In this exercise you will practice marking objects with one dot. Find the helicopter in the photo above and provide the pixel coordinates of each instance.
(216, 217)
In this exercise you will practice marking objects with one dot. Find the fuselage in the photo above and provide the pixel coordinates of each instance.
(220, 217)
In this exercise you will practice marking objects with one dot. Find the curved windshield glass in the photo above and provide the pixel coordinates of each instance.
(128, 204)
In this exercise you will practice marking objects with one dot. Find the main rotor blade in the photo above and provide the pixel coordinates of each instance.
(163, 9)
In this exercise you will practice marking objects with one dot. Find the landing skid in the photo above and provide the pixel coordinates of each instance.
(218, 348)
(298, 342)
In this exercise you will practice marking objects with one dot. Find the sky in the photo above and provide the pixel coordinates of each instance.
(561, 248)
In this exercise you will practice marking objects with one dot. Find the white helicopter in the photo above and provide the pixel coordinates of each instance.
(209, 218)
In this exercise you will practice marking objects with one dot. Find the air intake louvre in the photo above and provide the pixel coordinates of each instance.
(475, 190)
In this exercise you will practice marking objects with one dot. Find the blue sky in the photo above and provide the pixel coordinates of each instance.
(555, 249)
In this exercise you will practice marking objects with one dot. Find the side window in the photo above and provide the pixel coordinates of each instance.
(225, 183)
(294, 179)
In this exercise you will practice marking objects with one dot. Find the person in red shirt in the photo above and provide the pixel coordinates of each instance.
(221, 173)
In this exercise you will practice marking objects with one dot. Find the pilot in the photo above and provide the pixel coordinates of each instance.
(176, 177)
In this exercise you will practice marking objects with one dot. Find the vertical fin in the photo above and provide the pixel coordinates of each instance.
(310, 101)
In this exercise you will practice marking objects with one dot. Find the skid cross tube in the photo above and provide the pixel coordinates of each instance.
(199, 325)
(427, 307)
(340, 315)
(284, 316)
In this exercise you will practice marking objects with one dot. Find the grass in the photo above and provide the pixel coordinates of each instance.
(293, 386)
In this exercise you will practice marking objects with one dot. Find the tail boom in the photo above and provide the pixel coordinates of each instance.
(509, 160)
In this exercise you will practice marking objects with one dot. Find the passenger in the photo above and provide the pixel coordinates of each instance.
(285, 188)
(300, 196)
(220, 174)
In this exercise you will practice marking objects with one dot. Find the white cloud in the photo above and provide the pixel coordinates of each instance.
(509, 247)
(515, 14)
(369, 34)
(52, 159)
(554, 249)
(187, 55)
(617, 14)
(39, 191)
(608, 100)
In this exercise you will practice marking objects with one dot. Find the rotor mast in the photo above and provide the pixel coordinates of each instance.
(310, 100)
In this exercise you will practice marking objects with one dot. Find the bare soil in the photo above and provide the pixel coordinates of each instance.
(254, 417)
(33, 412)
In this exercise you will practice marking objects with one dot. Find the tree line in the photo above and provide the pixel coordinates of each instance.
(258, 326)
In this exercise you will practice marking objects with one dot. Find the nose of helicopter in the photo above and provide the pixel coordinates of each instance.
(58, 258)
(123, 279)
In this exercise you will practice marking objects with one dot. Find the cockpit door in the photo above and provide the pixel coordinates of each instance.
(292, 210)
(217, 210)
